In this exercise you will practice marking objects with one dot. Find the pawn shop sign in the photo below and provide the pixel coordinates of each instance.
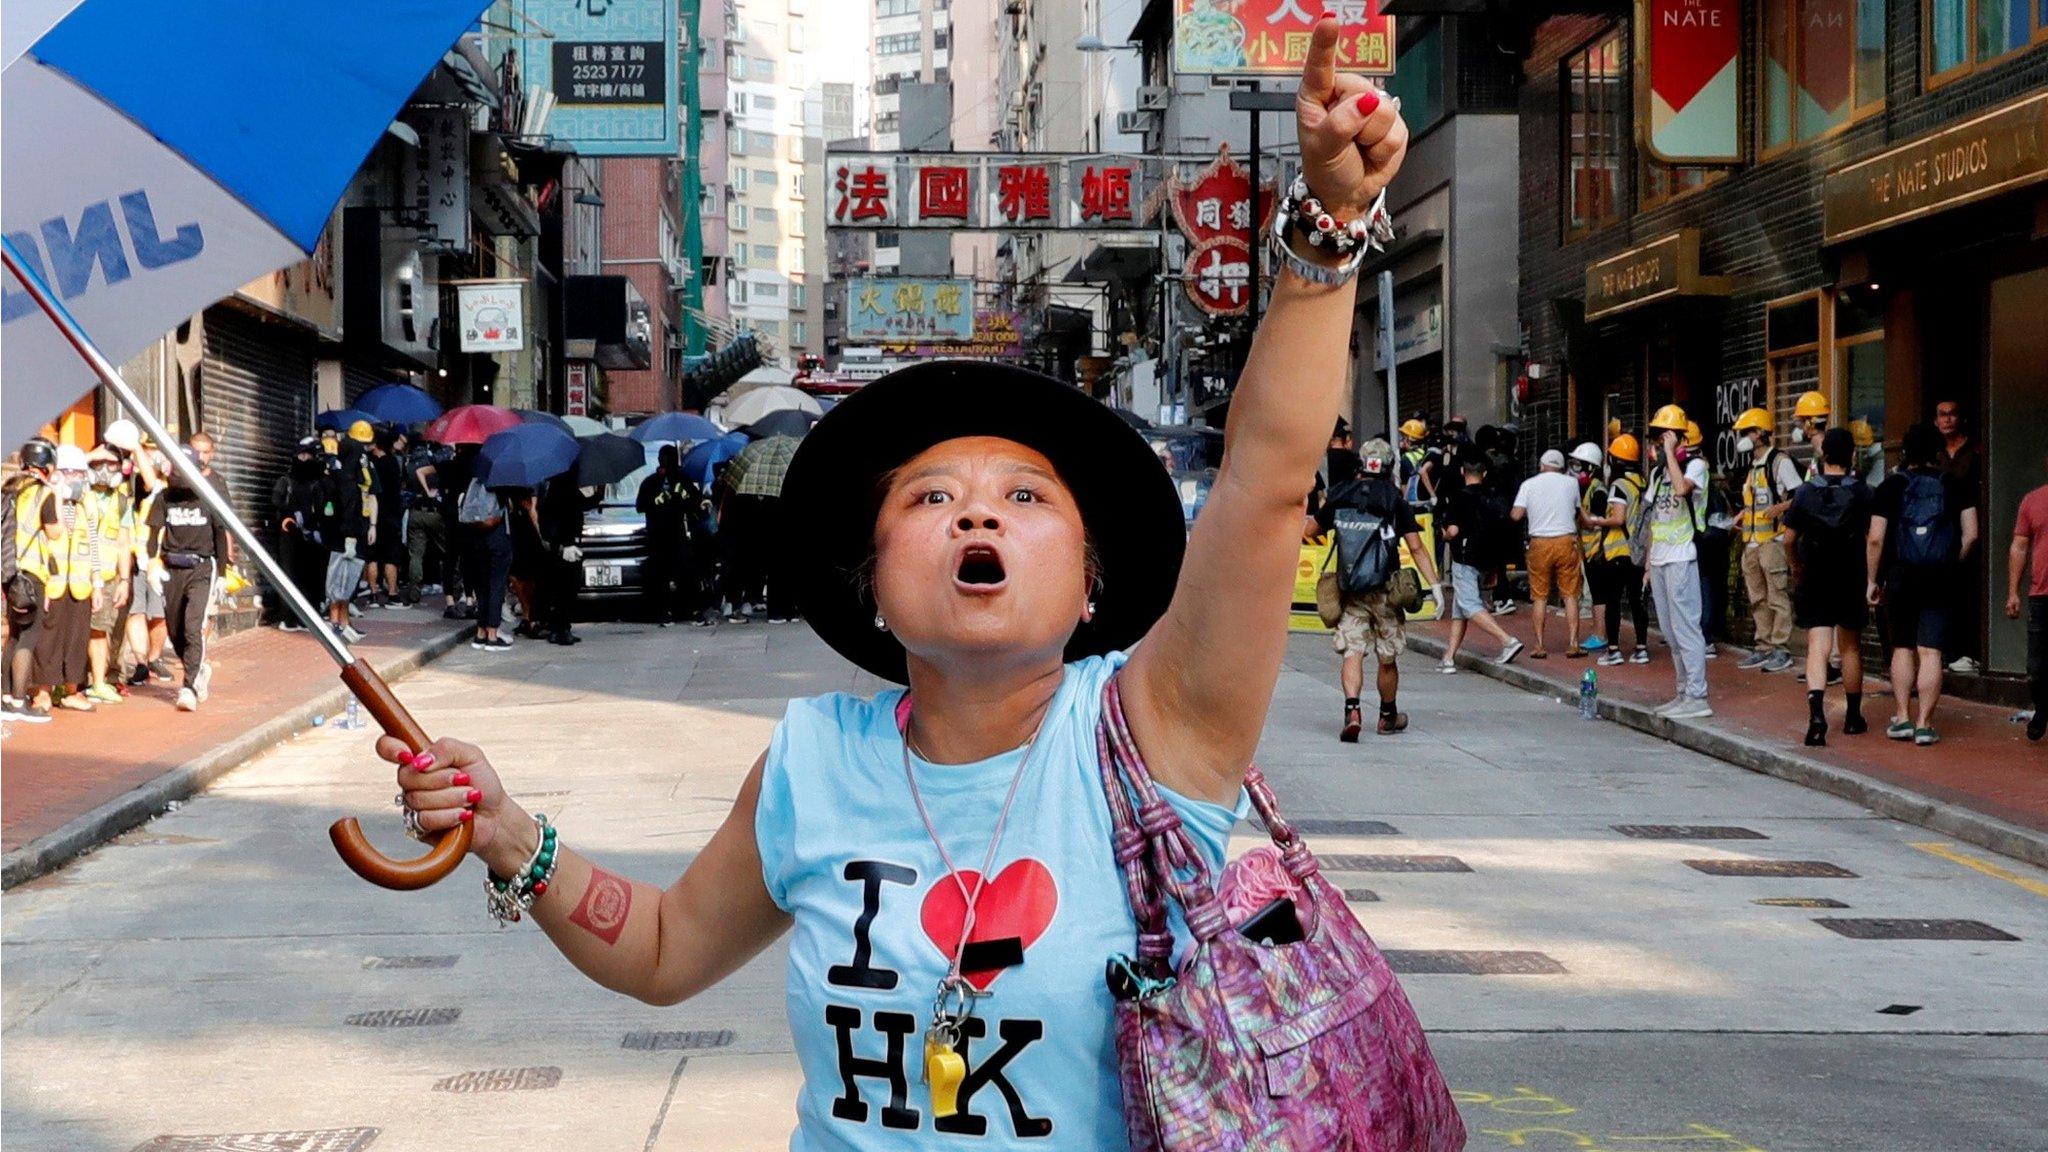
(1214, 210)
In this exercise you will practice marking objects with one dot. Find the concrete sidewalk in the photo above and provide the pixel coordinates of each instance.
(1985, 783)
(82, 779)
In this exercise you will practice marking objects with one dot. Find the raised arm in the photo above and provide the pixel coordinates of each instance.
(1197, 689)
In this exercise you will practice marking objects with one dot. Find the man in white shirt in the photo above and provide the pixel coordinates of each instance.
(1548, 503)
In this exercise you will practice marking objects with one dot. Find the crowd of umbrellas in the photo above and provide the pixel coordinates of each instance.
(523, 448)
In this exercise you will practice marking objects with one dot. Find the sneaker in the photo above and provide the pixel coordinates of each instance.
(452, 612)
(1390, 724)
(1961, 666)
(201, 682)
(351, 633)
(499, 645)
(1713, 651)
(74, 702)
(161, 669)
(1757, 658)
(1668, 705)
(188, 700)
(430, 589)
(705, 621)
(1899, 729)
(1694, 708)
(2037, 725)
(1513, 649)
(666, 624)
(1611, 657)
(778, 619)
(1779, 661)
(1925, 736)
(1595, 644)
(1640, 656)
(1354, 721)
(1504, 607)
(26, 712)
(1854, 724)
(137, 676)
(565, 639)
(1817, 734)
(1446, 668)
(735, 618)
(1834, 674)
(477, 643)
(104, 694)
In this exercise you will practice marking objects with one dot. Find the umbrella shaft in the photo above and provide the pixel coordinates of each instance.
(183, 465)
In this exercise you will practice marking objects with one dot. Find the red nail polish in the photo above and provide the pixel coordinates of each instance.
(425, 761)
(407, 759)
(467, 815)
(1367, 102)
(461, 778)
(475, 794)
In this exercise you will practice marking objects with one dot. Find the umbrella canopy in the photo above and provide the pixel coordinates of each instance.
(399, 404)
(773, 398)
(471, 424)
(766, 374)
(143, 189)
(760, 466)
(676, 427)
(535, 416)
(701, 461)
(524, 455)
(583, 426)
(607, 458)
(340, 418)
(788, 422)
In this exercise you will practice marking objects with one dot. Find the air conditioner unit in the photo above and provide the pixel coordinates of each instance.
(1153, 97)
(1133, 123)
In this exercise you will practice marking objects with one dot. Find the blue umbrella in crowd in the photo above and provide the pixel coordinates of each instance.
(699, 462)
(524, 456)
(400, 404)
(535, 416)
(338, 419)
(677, 428)
(788, 422)
(607, 458)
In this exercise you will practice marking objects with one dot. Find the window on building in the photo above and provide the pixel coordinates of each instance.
(799, 297)
(763, 102)
(896, 7)
(765, 254)
(767, 290)
(796, 36)
(941, 74)
(769, 327)
(764, 178)
(799, 332)
(736, 216)
(1792, 359)
(888, 122)
(1419, 77)
(736, 290)
(736, 141)
(1596, 119)
(1823, 66)
(942, 38)
(887, 240)
(710, 268)
(1961, 34)
(898, 44)
(1859, 365)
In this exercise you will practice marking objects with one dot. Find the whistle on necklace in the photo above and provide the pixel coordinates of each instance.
(944, 1067)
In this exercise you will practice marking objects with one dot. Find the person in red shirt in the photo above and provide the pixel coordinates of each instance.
(2030, 551)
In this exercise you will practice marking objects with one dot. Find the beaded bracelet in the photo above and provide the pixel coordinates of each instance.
(1321, 229)
(510, 897)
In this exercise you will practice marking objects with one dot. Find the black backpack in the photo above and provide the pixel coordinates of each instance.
(1926, 536)
(1368, 545)
(1828, 507)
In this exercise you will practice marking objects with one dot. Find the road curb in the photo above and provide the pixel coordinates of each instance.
(52, 850)
(1971, 827)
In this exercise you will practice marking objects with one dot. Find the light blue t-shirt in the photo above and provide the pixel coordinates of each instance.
(876, 916)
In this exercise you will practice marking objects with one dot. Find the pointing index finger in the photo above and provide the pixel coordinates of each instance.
(1319, 71)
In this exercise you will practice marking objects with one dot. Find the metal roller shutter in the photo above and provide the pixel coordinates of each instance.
(356, 380)
(256, 398)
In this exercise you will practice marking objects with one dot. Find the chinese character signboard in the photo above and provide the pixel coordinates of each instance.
(437, 177)
(940, 192)
(612, 69)
(492, 315)
(576, 390)
(863, 191)
(1214, 209)
(905, 310)
(1105, 191)
(996, 191)
(1695, 78)
(1270, 37)
(997, 336)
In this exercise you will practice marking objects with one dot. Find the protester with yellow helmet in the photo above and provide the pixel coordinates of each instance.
(1668, 529)
(1618, 572)
(1766, 569)
(1810, 416)
(114, 524)
(1418, 471)
(56, 540)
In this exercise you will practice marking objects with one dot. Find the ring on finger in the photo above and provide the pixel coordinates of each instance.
(412, 825)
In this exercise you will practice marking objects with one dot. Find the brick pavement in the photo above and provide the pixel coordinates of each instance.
(58, 772)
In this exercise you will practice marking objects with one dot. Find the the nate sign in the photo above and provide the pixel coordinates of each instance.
(1694, 49)
(1663, 268)
(2002, 150)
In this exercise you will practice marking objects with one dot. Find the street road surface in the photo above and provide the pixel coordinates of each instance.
(218, 973)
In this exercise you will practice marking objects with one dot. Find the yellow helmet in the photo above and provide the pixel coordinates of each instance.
(1693, 436)
(1414, 429)
(361, 432)
(1613, 428)
(1810, 405)
(1624, 447)
(1756, 419)
(1669, 418)
(1863, 433)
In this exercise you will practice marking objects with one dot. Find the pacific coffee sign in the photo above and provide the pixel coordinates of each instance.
(1997, 152)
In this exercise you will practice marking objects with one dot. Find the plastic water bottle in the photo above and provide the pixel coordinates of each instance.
(1589, 695)
(354, 719)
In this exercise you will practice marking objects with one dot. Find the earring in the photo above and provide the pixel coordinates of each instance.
(881, 625)
(1091, 607)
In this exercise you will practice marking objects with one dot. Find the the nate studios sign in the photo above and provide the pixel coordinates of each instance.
(2004, 149)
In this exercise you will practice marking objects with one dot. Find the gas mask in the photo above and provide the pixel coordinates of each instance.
(70, 485)
(1745, 446)
(106, 476)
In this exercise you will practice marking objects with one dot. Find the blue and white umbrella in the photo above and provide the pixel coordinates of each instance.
(158, 155)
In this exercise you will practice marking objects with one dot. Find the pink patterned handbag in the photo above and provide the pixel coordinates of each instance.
(1302, 1047)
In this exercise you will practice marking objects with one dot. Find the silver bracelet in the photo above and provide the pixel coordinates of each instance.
(1380, 229)
(510, 898)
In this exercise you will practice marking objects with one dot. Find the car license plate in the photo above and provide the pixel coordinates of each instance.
(601, 576)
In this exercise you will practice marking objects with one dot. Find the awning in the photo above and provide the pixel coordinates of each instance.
(1666, 267)
(1997, 152)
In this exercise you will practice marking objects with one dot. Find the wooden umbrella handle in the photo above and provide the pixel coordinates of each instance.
(356, 850)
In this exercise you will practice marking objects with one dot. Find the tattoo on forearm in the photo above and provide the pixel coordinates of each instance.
(602, 911)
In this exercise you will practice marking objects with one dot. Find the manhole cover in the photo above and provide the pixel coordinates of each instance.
(405, 1017)
(501, 1080)
(1457, 963)
(409, 961)
(1799, 902)
(1861, 929)
(1317, 827)
(671, 1041)
(1341, 862)
(1361, 896)
(1688, 832)
(1784, 869)
(310, 1140)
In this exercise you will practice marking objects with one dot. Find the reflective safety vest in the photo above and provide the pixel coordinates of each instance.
(1592, 502)
(1675, 530)
(62, 558)
(1614, 541)
(115, 523)
(1760, 491)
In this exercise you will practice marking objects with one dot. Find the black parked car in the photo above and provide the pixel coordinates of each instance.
(615, 543)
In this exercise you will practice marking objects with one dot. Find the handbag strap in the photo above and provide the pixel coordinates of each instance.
(1157, 856)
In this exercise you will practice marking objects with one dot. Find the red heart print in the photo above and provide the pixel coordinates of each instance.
(1019, 902)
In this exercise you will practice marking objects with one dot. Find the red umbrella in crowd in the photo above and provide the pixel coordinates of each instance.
(471, 424)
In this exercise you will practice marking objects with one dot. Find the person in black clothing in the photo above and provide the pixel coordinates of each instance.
(1826, 533)
(187, 545)
(1371, 622)
(1475, 522)
(562, 505)
(345, 527)
(388, 555)
(494, 547)
(295, 501)
(452, 474)
(671, 503)
(1922, 528)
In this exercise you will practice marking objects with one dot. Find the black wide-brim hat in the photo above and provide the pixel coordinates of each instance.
(831, 497)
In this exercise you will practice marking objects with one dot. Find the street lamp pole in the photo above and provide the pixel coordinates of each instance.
(1254, 101)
